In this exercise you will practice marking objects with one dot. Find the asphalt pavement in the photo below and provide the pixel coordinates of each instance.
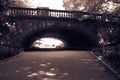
(54, 65)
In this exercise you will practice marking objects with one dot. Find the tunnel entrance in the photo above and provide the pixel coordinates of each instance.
(56, 38)
(49, 43)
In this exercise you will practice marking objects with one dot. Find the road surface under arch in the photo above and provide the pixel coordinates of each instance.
(54, 65)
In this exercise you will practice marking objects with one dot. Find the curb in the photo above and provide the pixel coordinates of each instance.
(11, 59)
(101, 59)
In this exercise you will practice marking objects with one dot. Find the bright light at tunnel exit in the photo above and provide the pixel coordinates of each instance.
(49, 43)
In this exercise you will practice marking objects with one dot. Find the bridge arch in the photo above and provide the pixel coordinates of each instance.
(73, 39)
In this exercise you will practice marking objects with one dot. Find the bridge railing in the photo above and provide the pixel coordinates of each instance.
(60, 14)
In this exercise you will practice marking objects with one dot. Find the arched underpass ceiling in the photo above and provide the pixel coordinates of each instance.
(73, 38)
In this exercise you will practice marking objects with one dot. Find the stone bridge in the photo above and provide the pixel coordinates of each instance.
(22, 26)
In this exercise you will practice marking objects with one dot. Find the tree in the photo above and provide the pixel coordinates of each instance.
(18, 3)
(99, 6)
(3, 5)
(116, 1)
(24, 3)
(83, 5)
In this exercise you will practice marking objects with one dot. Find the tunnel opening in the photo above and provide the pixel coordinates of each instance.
(49, 43)
(68, 38)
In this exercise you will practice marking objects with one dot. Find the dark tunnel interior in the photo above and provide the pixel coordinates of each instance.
(72, 39)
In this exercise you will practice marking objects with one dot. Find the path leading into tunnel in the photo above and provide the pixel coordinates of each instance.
(54, 65)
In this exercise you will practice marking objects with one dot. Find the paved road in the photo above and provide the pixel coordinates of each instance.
(54, 65)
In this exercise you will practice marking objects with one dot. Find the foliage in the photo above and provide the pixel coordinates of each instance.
(100, 6)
